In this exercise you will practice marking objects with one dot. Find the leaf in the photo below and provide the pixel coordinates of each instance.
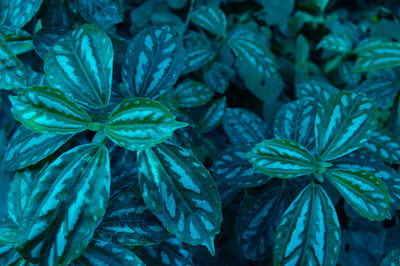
(218, 76)
(363, 191)
(232, 168)
(45, 38)
(295, 121)
(384, 145)
(18, 40)
(309, 231)
(80, 64)
(335, 42)
(277, 11)
(17, 13)
(153, 62)
(139, 123)
(27, 148)
(378, 55)
(319, 89)
(348, 74)
(211, 18)
(343, 124)
(190, 93)
(243, 126)
(212, 115)
(181, 193)
(12, 71)
(198, 51)
(392, 259)
(281, 158)
(104, 13)
(47, 110)
(61, 218)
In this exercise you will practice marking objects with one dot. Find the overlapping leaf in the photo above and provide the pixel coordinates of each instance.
(363, 191)
(198, 51)
(190, 93)
(153, 62)
(140, 123)
(80, 64)
(348, 74)
(384, 145)
(47, 110)
(104, 13)
(218, 76)
(309, 231)
(16, 13)
(378, 55)
(281, 158)
(210, 18)
(392, 259)
(343, 124)
(61, 218)
(336, 42)
(181, 193)
(12, 72)
(212, 115)
(318, 89)
(19, 41)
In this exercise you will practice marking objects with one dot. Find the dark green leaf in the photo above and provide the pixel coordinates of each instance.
(391, 259)
(210, 18)
(336, 42)
(319, 89)
(212, 115)
(198, 51)
(384, 145)
(378, 55)
(218, 76)
(16, 13)
(103, 13)
(12, 72)
(190, 93)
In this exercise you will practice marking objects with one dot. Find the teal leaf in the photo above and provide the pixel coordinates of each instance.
(343, 124)
(378, 55)
(276, 12)
(17, 13)
(281, 158)
(309, 231)
(181, 193)
(383, 145)
(153, 62)
(12, 72)
(348, 74)
(211, 18)
(218, 76)
(336, 42)
(61, 218)
(18, 40)
(27, 148)
(319, 89)
(104, 13)
(198, 51)
(190, 93)
(80, 64)
(243, 126)
(363, 191)
(140, 123)
(47, 110)
(212, 115)
(391, 259)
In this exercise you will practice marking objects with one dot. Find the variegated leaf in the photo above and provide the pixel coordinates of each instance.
(104, 13)
(232, 168)
(47, 110)
(384, 145)
(140, 123)
(281, 158)
(190, 93)
(212, 115)
(378, 55)
(309, 231)
(391, 259)
(61, 218)
(12, 71)
(16, 13)
(27, 148)
(369, 44)
(363, 191)
(153, 62)
(218, 76)
(8, 234)
(181, 193)
(343, 124)
(348, 74)
(211, 18)
(243, 126)
(80, 64)
(198, 51)
(295, 121)
(19, 41)
(318, 89)
(336, 42)
(106, 253)
(129, 222)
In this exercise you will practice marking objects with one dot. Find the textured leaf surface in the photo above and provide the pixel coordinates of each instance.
(343, 124)
(190, 93)
(210, 18)
(103, 13)
(218, 76)
(27, 148)
(281, 158)
(391, 259)
(336, 42)
(61, 218)
(362, 191)
(348, 74)
(198, 51)
(47, 110)
(80, 64)
(309, 231)
(378, 55)
(12, 72)
(318, 89)
(181, 193)
(384, 145)
(139, 123)
(212, 115)
(16, 13)
(153, 62)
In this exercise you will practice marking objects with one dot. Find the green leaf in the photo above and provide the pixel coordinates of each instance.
(309, 231)
(212, 115)
(276, 12)
(190, 93)
(281, 158)
(16, 13)
(336, 42)
(153, 62)
(61, 217)
(181, 193)
(104, 13)
(18, 40)
(384, 145)
(80, 64)
(343, 124)
(48, 110)
(12, 71)
(27, 148)
(348, 74)
(319, 89)
(391, 259)
(198, 51)
(362, 191)
(140, 123)
(218, 76)
(378, 55)
(210, 18)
